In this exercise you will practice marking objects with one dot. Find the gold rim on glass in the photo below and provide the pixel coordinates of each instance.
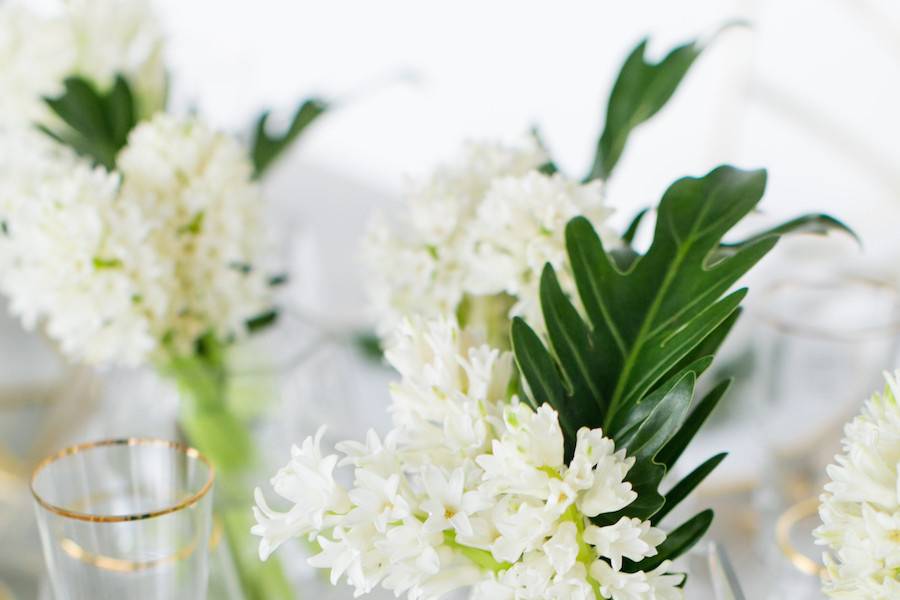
(72, 450)
(786, 522)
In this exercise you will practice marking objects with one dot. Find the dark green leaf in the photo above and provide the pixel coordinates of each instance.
(631, 231)
(652, 324)
(540, 372)
(280, 279)
(683, 488)
(623, 257)
(639, 92)
(708, 347)
(120, 112)
(660, 306)
(572, 344)
(677, 543)
(816, 224)
(676, 446)
(663, 421)
(369, 345)
(96, 124)
(625, 425)
(262, 321)
(265, 148)
(668, 348)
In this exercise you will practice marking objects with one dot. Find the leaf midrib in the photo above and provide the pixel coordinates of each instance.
(604, 310)
(642, 335)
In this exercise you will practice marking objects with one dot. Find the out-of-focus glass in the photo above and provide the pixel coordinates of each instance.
(710, 573)
(125, 519)
(823, 344)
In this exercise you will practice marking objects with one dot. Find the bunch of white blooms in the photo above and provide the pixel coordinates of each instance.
(860, 508)
(474, 238)
(470, 489)
(118, 265)
(94, 39)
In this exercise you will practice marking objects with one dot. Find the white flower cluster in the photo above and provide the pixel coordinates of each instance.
(94, 39)
(116, 265)
(860, 508)
(470, 489)
(475, 237)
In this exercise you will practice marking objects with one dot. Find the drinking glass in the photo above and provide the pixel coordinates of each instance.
(824, 342)
(126, 518)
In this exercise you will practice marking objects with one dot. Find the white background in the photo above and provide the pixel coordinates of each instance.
(810, 91)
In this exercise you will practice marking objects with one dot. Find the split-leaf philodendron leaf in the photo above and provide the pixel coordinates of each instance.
(265, 148)
(630, 362)
(640, 91)
(97, 123)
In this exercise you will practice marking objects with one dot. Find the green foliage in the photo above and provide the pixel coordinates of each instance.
(97, 124)
(265, 149)
(368, 345)
(651, 329)
(640, 91)
(263, 320)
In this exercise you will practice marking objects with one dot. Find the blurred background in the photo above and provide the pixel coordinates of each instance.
(809, 89)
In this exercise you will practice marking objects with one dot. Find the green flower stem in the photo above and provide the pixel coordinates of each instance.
(482, 558)
(210, 426)
(485, 560)
(492, 312)
(259, 580)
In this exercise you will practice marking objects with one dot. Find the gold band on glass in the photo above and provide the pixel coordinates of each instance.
(786, 522)
(121, 565)
(71, 514)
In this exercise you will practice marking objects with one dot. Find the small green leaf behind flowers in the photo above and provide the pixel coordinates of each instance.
(265, 148)
(95, 124)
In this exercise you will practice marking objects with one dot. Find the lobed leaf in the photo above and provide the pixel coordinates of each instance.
(641, 89)
(96, 124)
(683, 488)
(265, 148)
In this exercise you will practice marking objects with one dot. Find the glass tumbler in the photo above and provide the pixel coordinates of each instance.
(126, 518)
(824, 342)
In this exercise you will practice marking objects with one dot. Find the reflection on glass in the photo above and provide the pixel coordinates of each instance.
(125, 519)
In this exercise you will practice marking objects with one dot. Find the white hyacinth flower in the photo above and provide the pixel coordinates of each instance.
(448, 505)
(860, 508)
(429, 514)
(474, 238)
(123, 267)
(628, 538)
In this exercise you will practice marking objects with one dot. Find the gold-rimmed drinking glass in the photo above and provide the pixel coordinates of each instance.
(126, 518)
(823, 339)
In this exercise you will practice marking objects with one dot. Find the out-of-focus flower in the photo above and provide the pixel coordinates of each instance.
(474, 238)
(118, 266)
(93, 39)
